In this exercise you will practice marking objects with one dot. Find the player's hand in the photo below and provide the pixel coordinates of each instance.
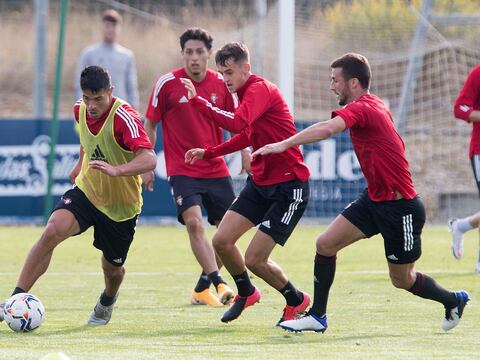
(75, 171)
(274, 148)
(246, 162)
(192, 92)
(192, 155)
(104, 167)
(148, 179)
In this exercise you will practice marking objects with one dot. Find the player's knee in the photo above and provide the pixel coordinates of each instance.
(51, 235)
(400, 281)
(114, 272)
(323, 247)
(220, 244)
(194, 225)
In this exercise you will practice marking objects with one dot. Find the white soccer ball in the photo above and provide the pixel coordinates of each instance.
(23, 312)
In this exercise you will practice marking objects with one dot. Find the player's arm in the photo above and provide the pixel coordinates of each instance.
(468, 97)
(238, 142)
(148, 179)
(246, 161)
(316, 132)
(78, 166)
(474, 116)
(143, 161)
(225, 119)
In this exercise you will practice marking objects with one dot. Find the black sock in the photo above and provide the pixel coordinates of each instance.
(18, 291)
(106, 300)
(428, 288)
(291, 295)
(244, 285)
(216, 278)
(203, 282)
(324, 273)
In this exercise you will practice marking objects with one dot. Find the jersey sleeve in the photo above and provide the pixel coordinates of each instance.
(238, 142)
(129, 129)
(225, 119)
(352, 115)
(468, 96)
(76, 110)
(157, 105)
(255, 102)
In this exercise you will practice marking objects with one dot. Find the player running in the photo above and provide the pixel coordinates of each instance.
(275, 195)
(208, 185)
(389, 206)
(114, 151)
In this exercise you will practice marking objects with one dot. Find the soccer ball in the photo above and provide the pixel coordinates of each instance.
(23, 312)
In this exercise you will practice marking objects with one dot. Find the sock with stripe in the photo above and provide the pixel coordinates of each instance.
(216, 278)
(203, 282)
(427, 288)
(244, 285)
(324, 273)
(292, 296)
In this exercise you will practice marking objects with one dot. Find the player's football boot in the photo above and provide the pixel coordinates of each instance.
(239, 304)
(205, 297)
(453, 315)
(2, 305)
(457, 239)
(293, 312)
(225, 294)
(308, 322)
(101, 314)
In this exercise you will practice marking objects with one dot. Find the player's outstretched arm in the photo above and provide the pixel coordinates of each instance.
(316, 132)
(193, 155)
(143, 161)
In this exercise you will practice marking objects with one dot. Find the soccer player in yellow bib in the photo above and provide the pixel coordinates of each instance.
(114, 151)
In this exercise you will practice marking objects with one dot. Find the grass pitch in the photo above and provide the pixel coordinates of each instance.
(153, 319)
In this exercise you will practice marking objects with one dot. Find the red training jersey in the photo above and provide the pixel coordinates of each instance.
(261, 118)
(183, 128)
(467, 101)
(380, 149)
(127, 126)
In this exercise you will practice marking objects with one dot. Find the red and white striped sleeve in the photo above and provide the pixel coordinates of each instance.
(129, 130)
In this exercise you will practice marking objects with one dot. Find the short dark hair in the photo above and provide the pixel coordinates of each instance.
(95, 79)
(354, 66)
(235, 51)
(196, 34)
(112, 16)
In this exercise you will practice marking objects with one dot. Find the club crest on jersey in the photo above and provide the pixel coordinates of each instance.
(179, 200)
(214, 98)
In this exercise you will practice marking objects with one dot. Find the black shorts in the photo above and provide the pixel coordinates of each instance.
(278, 207)
(399, 221)
(111, 237)
(215, 195)
(475, 161)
